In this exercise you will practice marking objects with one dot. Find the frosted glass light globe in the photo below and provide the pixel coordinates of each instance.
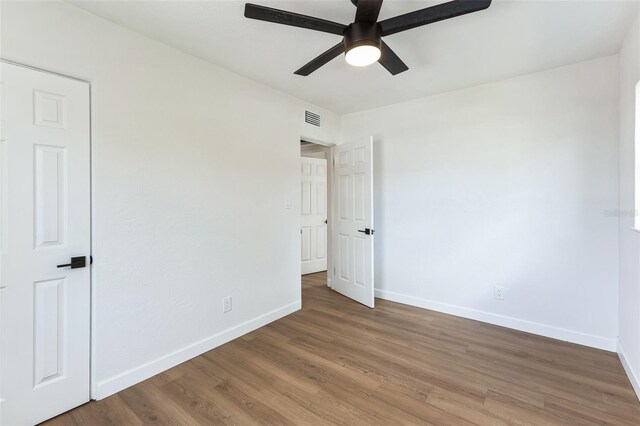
(361, 56)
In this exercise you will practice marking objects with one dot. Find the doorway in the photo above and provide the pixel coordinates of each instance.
(346, 171)
(315, 208)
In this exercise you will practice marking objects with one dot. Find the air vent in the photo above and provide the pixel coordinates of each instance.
(312, 118)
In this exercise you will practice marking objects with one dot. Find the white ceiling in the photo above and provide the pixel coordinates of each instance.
(510, 38)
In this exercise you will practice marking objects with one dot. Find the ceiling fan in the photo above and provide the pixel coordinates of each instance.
(362, 40)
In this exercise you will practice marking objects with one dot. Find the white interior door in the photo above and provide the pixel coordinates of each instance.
(352, 242)
(313, 230)
(45, 222)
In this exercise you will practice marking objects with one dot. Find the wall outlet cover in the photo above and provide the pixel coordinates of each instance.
(498, 292)
(226, 304)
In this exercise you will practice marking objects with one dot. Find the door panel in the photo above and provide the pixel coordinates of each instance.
(46, 221)
(321, 243)
(49, 330)
(313, 208)
(49, 209)
(306, 244)
(344, 264)
(352, 247)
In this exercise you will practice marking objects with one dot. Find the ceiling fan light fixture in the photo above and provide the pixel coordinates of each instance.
(362, 42)
(362, 39)
(363, 55)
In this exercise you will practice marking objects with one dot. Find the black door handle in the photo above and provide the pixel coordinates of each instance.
(366, 231)
(76, 262)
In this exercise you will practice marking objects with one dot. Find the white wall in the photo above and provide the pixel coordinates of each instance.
(508, 183)
(629, 344)
(192, 165)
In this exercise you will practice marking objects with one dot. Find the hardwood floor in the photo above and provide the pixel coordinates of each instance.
(337, 362)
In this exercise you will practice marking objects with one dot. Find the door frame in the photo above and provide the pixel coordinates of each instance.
(92, 279)
(328, 150)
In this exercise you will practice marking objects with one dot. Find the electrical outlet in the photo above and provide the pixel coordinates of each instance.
(287, 203)
(498, 292)
(226, 304)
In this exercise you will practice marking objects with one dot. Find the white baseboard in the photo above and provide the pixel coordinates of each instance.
(599, 342)
(633, 377)
(129, 378)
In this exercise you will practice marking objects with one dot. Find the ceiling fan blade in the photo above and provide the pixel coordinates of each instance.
(368, 10)
(283, 17)
(431, 14)
(321, 60)
(391, 61)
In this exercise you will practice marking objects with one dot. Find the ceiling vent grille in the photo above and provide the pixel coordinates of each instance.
(312, 118)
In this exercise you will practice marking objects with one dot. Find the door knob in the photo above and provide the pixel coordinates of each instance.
(76, 262)
(366, 231)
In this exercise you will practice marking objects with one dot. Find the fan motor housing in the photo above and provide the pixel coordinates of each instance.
(362, 33)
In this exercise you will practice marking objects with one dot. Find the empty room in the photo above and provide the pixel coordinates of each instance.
(319, 212)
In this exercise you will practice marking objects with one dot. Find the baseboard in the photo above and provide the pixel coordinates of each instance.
(129, 378)
(633, 377)
(585, 339)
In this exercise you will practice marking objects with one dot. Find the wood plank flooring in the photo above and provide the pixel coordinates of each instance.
(337, 362)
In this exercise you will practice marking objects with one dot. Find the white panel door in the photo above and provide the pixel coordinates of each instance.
(314, 215)
(45, 152)
(353, 232)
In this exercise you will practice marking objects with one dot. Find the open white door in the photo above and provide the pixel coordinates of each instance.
(45, 326)
(352, 239)
(313, 232)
